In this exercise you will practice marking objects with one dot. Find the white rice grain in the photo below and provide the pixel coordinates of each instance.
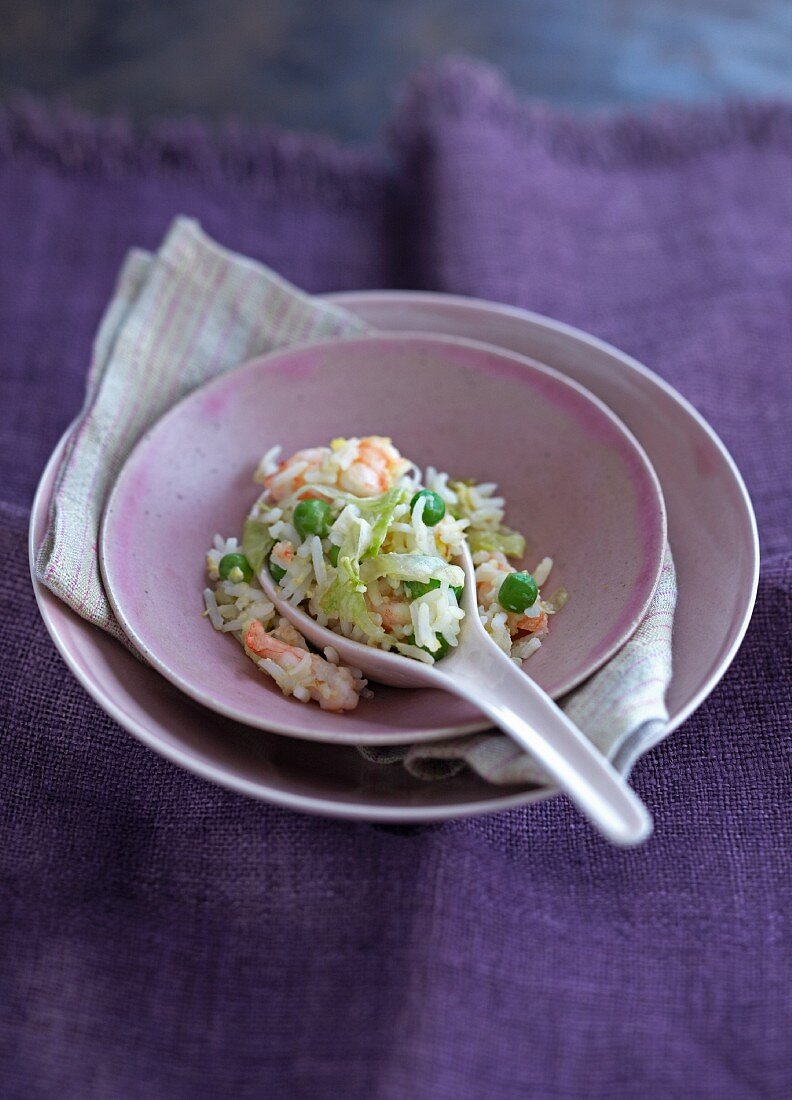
(212, 609)
(542, 571)
(438, 483)
(413, 651)
(500, 631)
(284, 532)
(225, 546)
(269, 463)
(523, 649)
(424, 635)
(424, 537)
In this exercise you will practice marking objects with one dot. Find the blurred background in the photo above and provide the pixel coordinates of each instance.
(335, 65)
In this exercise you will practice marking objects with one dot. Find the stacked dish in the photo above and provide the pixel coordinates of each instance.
(498, 422)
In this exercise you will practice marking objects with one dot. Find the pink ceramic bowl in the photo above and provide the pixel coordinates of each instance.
(574, 478)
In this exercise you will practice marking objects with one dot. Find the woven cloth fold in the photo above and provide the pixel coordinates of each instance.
(176, 320)
(195, 310)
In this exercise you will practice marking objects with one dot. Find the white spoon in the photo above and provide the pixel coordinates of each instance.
(478, 670)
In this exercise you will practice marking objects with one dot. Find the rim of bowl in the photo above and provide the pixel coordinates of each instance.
(363, 736)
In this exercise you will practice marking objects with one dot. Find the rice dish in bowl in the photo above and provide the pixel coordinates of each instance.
(361, 539)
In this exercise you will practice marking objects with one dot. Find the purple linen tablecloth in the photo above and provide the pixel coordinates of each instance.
(160, 937)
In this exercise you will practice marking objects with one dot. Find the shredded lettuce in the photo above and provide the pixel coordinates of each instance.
(378, 511)
(344, 599)
(351, 533)
(256, 542)
(508, 542)
(463, 507)
(365, 523)
(411, 567)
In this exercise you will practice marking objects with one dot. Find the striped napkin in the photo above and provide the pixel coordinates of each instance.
(195, 310)
(176, 319)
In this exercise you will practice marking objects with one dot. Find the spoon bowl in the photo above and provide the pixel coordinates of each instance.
(479, 671)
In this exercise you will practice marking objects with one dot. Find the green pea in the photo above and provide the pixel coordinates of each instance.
(434, 508)
(276, 572)
(235, 561)
(333, 553)
(518, 592)
(312, 517)
(414, 589)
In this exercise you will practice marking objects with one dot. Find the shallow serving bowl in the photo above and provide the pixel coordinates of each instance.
(574, 480)
(712, 532)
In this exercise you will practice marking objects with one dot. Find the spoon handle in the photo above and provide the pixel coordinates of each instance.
(529, 716)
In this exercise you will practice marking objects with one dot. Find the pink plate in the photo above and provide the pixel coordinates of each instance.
(574, 479)
(711, 529)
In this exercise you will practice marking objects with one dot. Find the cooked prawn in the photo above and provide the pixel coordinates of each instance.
(394, 612)
(364, 467)
(291, 473)
(332, 686)
(377, 468)
(283, 554)
(535, 625)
